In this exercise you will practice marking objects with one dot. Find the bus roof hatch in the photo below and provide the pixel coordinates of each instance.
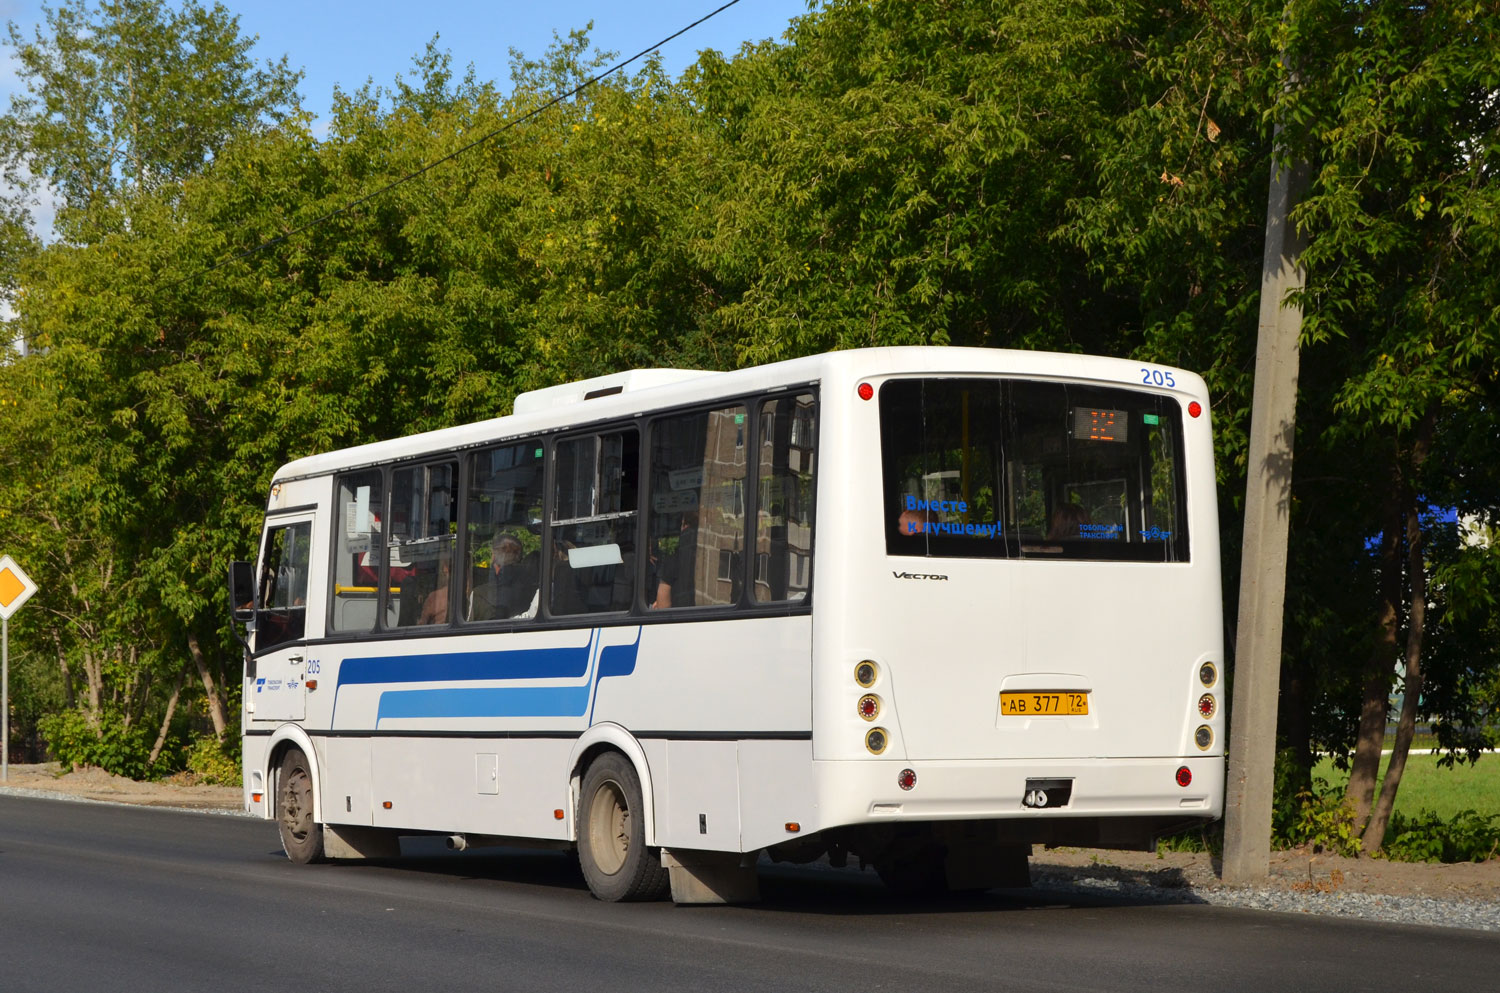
(601, 386)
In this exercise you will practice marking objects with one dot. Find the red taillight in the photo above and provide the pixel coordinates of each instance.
(1184, 776)
(866, 391)
(906, 779)
(869, 706)
(1195, 408)
(1206, 705)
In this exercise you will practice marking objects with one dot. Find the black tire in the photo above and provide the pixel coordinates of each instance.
(301, 836)
(612, 850)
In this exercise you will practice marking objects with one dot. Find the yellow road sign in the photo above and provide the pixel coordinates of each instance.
(15, 587)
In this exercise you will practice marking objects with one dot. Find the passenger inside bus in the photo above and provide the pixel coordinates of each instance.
(435, 605)
(677, 571)
(511, 585)
(1067, 521)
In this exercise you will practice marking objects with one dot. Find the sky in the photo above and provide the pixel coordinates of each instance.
(344, 42)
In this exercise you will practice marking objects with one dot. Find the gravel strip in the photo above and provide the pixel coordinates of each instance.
(1478, 915)
(75, 798)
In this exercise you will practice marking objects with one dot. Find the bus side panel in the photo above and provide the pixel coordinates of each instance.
(345, 781)
(776, 790)
(700, 797)
(720, 676)
(500, 786)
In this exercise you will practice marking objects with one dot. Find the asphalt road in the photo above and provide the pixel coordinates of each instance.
(124, 899)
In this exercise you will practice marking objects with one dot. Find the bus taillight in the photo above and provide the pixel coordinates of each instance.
(906, 779)
(1184, 776)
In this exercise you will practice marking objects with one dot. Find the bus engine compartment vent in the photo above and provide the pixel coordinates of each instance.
(1048, 793)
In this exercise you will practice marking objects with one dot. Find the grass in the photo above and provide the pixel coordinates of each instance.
(1425, 786)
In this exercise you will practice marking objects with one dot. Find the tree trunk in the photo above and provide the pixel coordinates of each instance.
(166, 722)
(93, 672)
(67, 676)
(1416, 570)
(1375, 705)
(1292, 719)
(215, 701)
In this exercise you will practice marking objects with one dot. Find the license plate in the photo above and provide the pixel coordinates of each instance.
(1043, 704)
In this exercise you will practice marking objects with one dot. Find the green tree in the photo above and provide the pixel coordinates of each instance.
(130, 96)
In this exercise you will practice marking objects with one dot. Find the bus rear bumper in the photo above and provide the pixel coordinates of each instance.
(868, 791)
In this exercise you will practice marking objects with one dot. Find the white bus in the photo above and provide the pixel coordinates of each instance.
(925, 607)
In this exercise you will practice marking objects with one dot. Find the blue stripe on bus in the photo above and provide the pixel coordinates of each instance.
(517, 663)
(509, 701)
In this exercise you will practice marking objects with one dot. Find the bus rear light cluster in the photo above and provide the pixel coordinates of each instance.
(1207, 706)
(869, 706)
(1203, 737)
(876, 740)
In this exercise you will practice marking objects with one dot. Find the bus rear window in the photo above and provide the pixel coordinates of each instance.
(1015, 469)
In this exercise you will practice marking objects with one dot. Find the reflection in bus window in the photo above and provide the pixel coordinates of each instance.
(697, 513)
(783, 519)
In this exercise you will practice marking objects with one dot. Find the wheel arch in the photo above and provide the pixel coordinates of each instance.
(283, 740)
(611, 738)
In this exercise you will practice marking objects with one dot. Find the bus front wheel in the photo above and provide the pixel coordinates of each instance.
(612, 834)
(301, 836)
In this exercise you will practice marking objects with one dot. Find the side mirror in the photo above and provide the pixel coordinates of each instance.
(241, 592)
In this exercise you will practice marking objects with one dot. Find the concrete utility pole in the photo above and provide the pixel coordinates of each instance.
(1268, 496)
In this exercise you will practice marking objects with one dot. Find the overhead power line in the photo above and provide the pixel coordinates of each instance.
(557, 99)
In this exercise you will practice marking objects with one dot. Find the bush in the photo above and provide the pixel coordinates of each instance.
(1468, 837)
(215, 763)
(75, 741)
(1316, 816)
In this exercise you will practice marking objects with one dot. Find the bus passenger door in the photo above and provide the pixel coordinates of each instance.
(276, 684)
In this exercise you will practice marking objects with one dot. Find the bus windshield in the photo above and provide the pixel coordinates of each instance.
(992, 468)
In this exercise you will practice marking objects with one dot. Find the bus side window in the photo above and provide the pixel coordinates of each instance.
(593, 521)
(784, 503)
(421, 539)
(503, 544)
(282, 613)
(697, 522)
(357, 548)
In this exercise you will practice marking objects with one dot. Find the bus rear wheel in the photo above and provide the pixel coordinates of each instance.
(301, 836)
(612, 835)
